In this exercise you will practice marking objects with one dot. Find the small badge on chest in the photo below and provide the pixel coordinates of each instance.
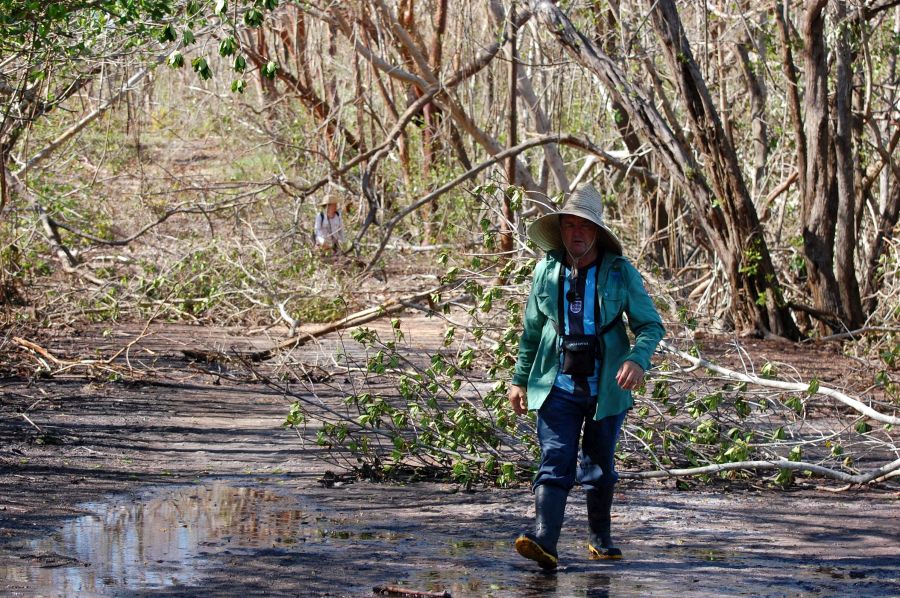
(575, 306)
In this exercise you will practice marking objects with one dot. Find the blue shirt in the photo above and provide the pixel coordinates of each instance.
(564, 381)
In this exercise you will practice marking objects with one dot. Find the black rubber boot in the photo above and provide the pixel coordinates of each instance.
(549, 506)
(599, 505)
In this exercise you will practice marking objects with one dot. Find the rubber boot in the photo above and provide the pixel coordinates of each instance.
(549, 506)
(599, 505)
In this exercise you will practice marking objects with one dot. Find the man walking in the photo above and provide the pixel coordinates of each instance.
(577, 368)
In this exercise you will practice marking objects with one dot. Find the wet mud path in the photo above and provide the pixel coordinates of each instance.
(186, 485)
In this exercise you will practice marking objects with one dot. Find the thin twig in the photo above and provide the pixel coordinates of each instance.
(32, 423)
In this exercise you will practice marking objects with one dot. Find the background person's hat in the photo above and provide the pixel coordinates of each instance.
(585, 202)
(327, 200)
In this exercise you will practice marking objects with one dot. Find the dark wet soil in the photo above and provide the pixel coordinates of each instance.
(185, 484)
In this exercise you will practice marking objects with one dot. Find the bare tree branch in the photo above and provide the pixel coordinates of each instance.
(855, 404)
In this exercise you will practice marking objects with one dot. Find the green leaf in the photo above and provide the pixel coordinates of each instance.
(56, 12)
(238, 85)
(227, 46)
(785, 478)
(187, 37)
(253, 17)
(448, 335)
(813, 386)
(295, 416)
(466, 359)
(175, 60)
(221, 6)
(167, 34)
(795, 403)
(201, 67)
(240, 64)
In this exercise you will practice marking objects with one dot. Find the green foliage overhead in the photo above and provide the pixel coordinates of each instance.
(70, 38)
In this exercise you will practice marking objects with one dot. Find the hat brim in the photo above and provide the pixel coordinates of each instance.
(544, 232)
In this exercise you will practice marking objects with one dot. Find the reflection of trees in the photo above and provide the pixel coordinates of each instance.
(154, 543)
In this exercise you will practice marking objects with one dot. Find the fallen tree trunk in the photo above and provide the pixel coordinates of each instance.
(885, 471)
(384, 308)
(810, 387)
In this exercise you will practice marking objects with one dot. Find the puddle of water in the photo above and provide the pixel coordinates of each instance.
(706, 554)
(184, 537)
(523, 581)
(159, 542)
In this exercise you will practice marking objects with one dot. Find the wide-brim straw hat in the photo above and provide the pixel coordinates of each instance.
(585, 202)
(327, 200)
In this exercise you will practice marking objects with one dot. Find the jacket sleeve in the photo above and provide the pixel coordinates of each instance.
(532, 330)
(643, 319)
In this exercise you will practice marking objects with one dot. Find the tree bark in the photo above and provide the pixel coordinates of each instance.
(552, 158)
(756, 89)
(446, 101)
(845, 235)
(789, 69)
(820, 197)
(506, 222)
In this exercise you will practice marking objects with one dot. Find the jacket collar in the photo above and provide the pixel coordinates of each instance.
(558, 257)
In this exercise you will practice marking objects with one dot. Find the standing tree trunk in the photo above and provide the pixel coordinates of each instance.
(506, 222)
(757, 89)
(553, 161)
(821, 195)
(845, 246)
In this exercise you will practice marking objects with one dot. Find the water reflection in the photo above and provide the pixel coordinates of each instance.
(159, 542)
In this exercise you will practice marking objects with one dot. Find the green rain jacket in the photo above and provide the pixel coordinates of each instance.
(622, 291)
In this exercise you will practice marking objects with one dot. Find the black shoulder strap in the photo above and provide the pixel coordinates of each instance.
(560, 304)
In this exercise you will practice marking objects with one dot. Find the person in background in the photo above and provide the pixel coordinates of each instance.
(577, 368)
(329, 226)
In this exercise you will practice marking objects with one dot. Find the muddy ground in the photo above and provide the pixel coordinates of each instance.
(184, 483)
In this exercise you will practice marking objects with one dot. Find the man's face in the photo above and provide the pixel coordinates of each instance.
(578, 234)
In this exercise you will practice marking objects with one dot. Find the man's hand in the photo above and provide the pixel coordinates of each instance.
(518, 399)
(630, 376)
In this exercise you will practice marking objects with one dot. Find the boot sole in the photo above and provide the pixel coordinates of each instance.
(532, 550)
(604, 554)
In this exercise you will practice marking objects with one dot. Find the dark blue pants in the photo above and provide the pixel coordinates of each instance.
(561, 420)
